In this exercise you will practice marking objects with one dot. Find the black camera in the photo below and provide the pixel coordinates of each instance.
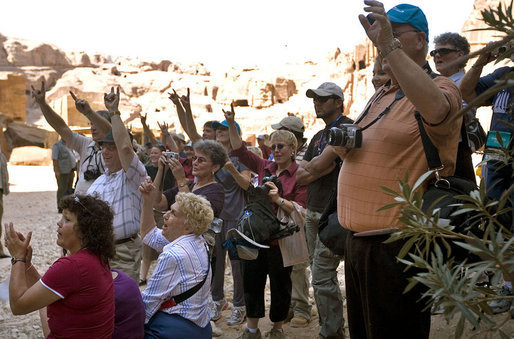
(349, 136)
(92, 174)
(265, 189)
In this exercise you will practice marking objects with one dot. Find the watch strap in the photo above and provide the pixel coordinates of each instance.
(14, 260)
(395, 44)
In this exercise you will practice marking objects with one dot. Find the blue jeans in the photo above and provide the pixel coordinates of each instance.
(163, 325)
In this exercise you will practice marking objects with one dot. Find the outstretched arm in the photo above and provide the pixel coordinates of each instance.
(166, 138)
(415, 83)
(193, 134)
(235, 138)
(147, 131)
(119, 132)
(470, 80)
(100, 122)
(148, 191)
(186, 122)
(57, 123)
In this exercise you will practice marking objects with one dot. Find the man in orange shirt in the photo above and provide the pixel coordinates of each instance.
(391, 146)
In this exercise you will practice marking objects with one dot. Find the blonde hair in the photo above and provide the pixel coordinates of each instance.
(197, 211)
(256, 150)
(288, 138)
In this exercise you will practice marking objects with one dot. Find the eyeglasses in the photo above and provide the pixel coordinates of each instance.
(277, 146)
(201, 160)
(77, 199)
(324, 99)
(398, 34)
(442, 51)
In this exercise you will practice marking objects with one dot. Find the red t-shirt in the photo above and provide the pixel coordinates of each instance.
(86, 307)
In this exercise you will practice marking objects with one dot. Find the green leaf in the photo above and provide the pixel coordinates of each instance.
(459, 330)
(421, 179)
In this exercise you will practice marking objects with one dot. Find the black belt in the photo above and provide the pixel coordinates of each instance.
(122, 241)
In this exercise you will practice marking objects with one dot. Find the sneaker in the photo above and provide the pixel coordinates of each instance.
(299, 321)
(216, 332)
(217, 307)
(238, 316)
(275, 333)
(502, 305)
(249, 335)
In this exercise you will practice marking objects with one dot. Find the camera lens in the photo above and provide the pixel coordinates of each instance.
(336, 137)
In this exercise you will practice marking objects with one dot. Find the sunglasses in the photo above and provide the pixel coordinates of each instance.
(398, 34)
(277, 146)
(77, 199)
(324, 99)
(442, 51)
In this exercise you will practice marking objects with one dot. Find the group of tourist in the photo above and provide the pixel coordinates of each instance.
(129, 205)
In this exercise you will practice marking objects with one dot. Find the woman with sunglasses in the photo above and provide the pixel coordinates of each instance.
(209, 157)
(269, 261)
(448, 48)
(77, 290)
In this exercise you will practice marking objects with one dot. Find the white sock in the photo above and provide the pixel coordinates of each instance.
(252, 330)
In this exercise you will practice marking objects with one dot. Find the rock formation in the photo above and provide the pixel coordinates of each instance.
(262, 96)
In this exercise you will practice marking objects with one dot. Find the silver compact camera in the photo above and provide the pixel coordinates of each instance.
(348, 135)
(170, 155)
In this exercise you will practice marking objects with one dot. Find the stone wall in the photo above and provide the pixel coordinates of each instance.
(12, 95)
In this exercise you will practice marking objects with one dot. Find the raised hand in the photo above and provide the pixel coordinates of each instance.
(380, 32)
(230, 115)
(112, 100)
(177, 169)
(81, 104)
(174, 97)
(142, 118)
(147, 187)
(164, 127)
(186, 100)
(16, 245)
(39, 94)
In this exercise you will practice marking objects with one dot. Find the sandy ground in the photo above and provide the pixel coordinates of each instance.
(32, 207)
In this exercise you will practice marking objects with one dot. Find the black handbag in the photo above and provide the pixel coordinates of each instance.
(441, 194)
(330, 231)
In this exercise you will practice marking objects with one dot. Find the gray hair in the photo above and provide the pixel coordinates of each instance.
(214, 150)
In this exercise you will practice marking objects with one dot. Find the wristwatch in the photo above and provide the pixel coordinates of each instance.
(14, 260)
(391, 47)
(114, 113)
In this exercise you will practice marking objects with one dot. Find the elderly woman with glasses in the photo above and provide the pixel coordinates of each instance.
(269, 261)
(177, 296)
(209, 157)
(77, 290)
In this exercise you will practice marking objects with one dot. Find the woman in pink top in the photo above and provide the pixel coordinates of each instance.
(75, 296)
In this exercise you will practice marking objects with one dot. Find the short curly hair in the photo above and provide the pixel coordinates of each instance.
(94, 223)
(456, 40)
(197, 211)
(287, 137)
(214, 150)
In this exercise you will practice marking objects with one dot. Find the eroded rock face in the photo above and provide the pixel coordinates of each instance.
(27, 53)
(261, 96)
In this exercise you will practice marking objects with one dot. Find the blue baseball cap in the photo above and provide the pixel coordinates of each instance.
(216, 124)
(409, 14)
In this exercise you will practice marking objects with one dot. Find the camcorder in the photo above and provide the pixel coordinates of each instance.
(170, 155)
(348, 135)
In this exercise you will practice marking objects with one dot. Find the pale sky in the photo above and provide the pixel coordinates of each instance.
(219, 33)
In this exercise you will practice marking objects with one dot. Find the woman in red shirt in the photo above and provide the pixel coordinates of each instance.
(77, 290)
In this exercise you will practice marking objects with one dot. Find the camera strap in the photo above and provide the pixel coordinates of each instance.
(399, 95)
